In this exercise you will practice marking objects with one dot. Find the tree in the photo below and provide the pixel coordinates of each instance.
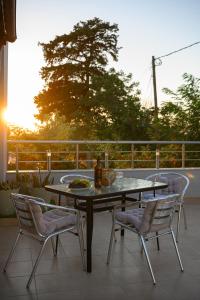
(71, 61)
(114, 109)
(55, 129)
(183, 114)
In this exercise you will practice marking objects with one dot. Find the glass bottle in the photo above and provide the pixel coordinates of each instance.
(98, 173)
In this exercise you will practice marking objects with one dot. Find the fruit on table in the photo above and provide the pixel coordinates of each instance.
(79, 183)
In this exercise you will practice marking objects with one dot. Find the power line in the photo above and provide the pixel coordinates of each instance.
(178, 50)
(156, 61)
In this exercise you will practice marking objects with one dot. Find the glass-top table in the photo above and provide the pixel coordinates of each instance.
(101, 199)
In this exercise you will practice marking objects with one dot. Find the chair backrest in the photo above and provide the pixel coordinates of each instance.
(177, 183)
(158, 213)
(29, 214)
(68, 178)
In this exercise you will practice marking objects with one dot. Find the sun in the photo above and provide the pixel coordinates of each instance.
(19, 117)
(5, 116)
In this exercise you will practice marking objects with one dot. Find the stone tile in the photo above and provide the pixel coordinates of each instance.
(184, 287)
(15, 286)
(146, 291)
(21, 297)
(71, 295)
(19, 268)
(99, 292)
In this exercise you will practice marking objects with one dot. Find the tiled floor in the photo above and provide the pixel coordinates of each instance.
(126, 277)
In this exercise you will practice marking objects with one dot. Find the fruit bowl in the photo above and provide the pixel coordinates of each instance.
(79, 184)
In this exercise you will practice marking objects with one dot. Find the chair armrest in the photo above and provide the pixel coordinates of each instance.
(23, 196)
(43, 204)
(160, 197)
(125, 205)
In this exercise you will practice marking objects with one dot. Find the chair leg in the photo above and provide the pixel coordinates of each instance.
(141, 246)
(12, 251)
(147, 258)
(184, 216)
(157, 240)
(53, 246)
(111, 243)
(115, 237)
(177, 251)
(56, 248)
(178, 222)
(36, 263)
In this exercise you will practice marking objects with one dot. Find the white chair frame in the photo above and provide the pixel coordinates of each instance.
(180, 202)
(37, 235)
(160, 212)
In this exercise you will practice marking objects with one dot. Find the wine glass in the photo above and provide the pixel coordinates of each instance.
(119, 178)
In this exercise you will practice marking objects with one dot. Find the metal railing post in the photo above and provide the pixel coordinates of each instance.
(49, 160)
(183, 155)
(17, 158)
(106, 160)
(77, 156)
(132, 155)
(157, 158)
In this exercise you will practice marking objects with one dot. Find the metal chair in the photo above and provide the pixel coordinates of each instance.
(153, 220)
(42, 222)
(177, 184)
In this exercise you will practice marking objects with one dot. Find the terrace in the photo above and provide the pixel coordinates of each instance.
(127, 275)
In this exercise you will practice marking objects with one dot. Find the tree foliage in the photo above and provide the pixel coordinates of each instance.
(114, 109)
(181, 116)
(71, 60)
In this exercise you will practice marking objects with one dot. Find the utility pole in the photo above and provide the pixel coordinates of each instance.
(154, 86)
(159, 62)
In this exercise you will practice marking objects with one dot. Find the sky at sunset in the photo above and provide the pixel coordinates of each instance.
(146, 28)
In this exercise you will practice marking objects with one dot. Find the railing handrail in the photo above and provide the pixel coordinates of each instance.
(100, 142)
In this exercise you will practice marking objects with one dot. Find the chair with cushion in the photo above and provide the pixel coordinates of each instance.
(42, 222)
(177, 184)
(153, 220)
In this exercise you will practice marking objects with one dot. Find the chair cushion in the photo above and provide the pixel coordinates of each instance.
(132, 217)
(140, 218)
(57, 219)
(38, 216)
(52, 220)
(175, 186)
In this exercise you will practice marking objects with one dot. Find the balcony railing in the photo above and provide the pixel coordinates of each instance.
(61, 155)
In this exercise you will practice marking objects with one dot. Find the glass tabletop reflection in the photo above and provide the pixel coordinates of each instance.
(119, 187)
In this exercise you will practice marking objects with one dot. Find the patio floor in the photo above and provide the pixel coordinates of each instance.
(126, 277)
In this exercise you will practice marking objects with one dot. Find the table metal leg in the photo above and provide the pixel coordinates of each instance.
(56, 249)
(139, 199)
(123, 209)
(89, 222)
